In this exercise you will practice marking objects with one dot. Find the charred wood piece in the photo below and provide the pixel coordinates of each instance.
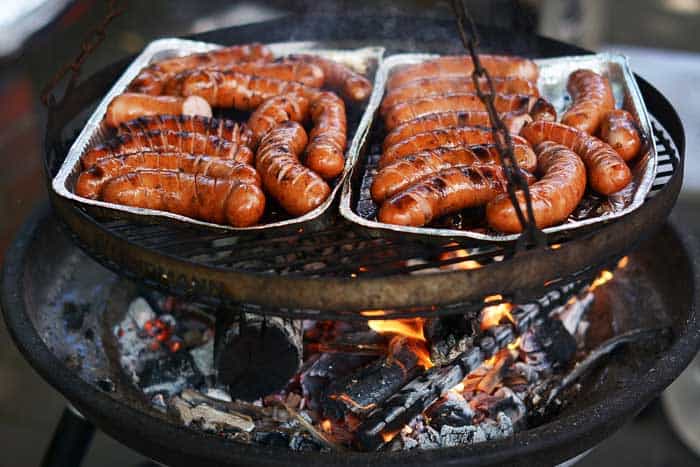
(449, 336)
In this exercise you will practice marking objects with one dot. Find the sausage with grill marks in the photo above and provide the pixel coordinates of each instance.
(445, 192)
(168, 141)
(325, 153)
(296, 188)
(217, 200)
(593, 98)
(339, 77)
(410, 110)
(221, 128)
(606, 171)
(401, 174)
(619, 130)
(129, 106)
(460, 65)
(554, 196)
(276, 110)
(90, 182)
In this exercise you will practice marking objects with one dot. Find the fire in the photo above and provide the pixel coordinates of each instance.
(493, 298)
(555, 246)
(494, 314)
(515, 344)
(373, 313)
(604, 277)
(624, 261)
(326, 425)
(462, 265)
(389, 436)
(412, 328)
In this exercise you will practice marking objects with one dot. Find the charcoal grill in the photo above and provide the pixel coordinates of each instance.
(335, 272)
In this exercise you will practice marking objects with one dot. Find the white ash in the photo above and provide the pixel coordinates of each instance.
(141, 312)
(489, 430)
(218, 394)
(203, 357)
(134, 344)
(209, 418)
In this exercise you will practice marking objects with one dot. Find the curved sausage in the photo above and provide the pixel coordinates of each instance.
(447, 137)
(445, 192)
(219, 127)
(619, 130)
(129, 106)
(339, 77)
(429, 87)
(274, 111)
(543, 110)
(325, 153)
(296, 188)
(460, 65)
(606, 171)
(151, 79)
(90, 182)
(554, 196)
(237, 90)
(592, 99)
(168, 141)
(404, 172)
(216, 200)
(416, 108)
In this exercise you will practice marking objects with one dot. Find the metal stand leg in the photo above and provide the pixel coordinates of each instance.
(70, 441)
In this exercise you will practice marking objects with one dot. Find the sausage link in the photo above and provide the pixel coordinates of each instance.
(430, 87)
(404, 172)
(619, 130)
(325, 153)
(445, 192)
(274, 111)
(447, 137)
(339, 77)
(406, 111)
(592, 99)
(221, 128)
(542, 109)
(606, 171)
(296, 188)
(460, 65)
(217, 200)
(129, 106)
(168, 141)
(152, 78)
(554, 196)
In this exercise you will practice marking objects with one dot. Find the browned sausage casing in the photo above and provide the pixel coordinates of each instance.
(168, 141)
(129, 106)
(339, 77)
(90, 182)
(276, 110)
(151, 79)
(554, 196)
(325, 153)
(445, 192)
(619, 130)
(410, 110)
(296, 188)
(405, 172)
(593, 98)
(543, 110)
(217, 200)
(429, 87)
(219, 127)
(460, 65)
(447, 137)
(606, 171)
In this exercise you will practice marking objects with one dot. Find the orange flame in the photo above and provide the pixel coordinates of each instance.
(494, 314)
(604, 277)
(515, 344)
(390, 435)
(624, 261)
(462, 265)
(326, 425)
(412, 328)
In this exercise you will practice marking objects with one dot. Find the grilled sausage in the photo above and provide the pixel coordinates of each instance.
(339, 77)
(217, 200)
(592, 99)
(447, 137)
(325, 153)
(416, 108)
(221, 128)
(460, 65)
(554, 196)
(168, 141)
(276, 110)
(151, 79)
(296, 188)
(606, 171)
(401, 174)
(90, 182)
(430, 87)
(543, 110)
(619, 130)
(129, 106)
(445, 192)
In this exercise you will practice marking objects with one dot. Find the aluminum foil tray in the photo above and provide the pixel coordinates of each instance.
(364, 60)
(357, 206)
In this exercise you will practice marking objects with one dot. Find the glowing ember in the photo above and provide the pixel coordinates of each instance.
(494, 314)
(373, 313)
(458, 389)
(326, 425)
(604, 277)
(389, 436)
(624, 261)
(555, 246)
(493, 298)
(515, 344)
(412, 328)
(465, 265)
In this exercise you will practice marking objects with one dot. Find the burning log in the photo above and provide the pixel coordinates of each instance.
(256, 355)
(448, 337)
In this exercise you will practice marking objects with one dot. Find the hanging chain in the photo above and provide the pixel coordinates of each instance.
(90, 43)
(531, 236)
